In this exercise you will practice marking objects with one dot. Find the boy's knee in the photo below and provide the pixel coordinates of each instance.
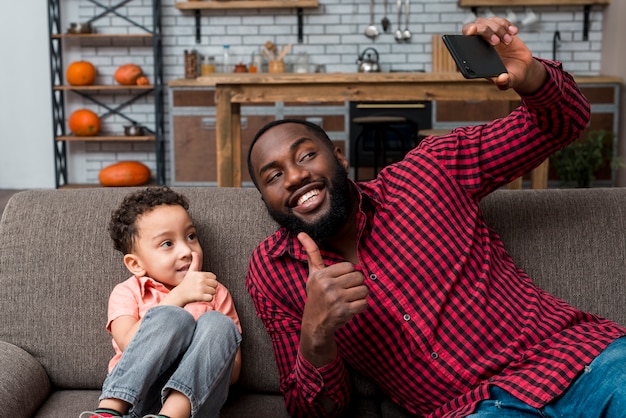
(174, 315)
(217, 322)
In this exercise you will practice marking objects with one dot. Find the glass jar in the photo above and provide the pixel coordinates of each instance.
(191, 64)
(208, 65)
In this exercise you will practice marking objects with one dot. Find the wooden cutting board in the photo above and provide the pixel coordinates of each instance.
(442, 61)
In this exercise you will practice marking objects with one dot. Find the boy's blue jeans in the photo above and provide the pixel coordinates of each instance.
(598, 392)
(173, 351)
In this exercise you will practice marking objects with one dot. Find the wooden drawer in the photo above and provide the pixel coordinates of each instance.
(194, 147)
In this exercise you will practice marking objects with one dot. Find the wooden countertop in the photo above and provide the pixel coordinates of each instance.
(342, 78)
(234, 89)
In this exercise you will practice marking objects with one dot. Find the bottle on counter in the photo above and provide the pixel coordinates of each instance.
(227, 64)
(256, 63)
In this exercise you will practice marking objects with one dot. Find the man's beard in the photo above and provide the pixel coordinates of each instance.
(328, 225)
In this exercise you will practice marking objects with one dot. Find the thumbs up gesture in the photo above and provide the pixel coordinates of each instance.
(197, 286)
(335, 294)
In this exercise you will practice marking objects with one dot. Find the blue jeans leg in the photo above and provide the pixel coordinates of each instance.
(598, 392)
(164, 335)
(503, 405)
(204, 372)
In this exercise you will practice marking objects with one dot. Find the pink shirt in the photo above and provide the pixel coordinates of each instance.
(136, 295)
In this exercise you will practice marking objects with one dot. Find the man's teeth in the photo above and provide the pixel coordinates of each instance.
(307, 196)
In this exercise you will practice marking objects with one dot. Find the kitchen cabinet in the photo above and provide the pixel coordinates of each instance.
(193, 131)
(111, 100)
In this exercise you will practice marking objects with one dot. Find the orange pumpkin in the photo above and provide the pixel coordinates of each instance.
(124, 174)
(80, 73)
(84, 122)
(143, 81)
(128, 74)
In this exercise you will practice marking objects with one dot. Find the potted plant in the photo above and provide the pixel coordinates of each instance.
(578, 162)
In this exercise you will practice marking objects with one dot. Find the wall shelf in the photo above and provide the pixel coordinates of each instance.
(111, 138)
(110, 88)
(511, 3)
(102, 36)
(246, 4)
(474, 4)
(198, 6)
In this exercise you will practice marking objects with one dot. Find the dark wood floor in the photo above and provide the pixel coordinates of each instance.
(5, 195)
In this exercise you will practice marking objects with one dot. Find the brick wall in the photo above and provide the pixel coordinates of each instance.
(333, 36)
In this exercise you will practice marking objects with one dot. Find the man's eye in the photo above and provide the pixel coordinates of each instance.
(273, 177)
(308, 156)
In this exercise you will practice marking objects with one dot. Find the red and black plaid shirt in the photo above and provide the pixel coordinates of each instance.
(448, 311)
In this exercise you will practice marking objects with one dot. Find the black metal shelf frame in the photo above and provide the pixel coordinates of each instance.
(58, 96)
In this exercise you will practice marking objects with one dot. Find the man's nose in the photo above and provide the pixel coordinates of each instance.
(295, 175)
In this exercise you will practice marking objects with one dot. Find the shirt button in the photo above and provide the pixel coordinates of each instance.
(434, 355)
(406, 317)
(373, 276)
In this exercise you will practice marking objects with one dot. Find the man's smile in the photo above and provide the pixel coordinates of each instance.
(308, 198)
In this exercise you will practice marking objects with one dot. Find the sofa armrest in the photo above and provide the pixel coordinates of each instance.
(24, 384)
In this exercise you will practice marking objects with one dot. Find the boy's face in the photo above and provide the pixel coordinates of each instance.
(162, 249)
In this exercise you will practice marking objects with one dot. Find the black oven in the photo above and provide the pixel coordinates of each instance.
(396, 139)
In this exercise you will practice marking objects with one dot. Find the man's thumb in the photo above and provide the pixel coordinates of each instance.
(312, 252)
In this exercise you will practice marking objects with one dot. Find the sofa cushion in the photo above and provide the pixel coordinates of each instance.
(58, 267)
(571, 242)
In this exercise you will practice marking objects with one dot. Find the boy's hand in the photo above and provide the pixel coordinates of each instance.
(197, 286)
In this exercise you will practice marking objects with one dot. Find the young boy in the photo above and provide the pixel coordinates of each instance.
(175, 330)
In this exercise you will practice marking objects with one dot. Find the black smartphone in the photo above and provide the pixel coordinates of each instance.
(474, 56)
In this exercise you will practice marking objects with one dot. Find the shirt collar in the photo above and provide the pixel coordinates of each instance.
(146, 283)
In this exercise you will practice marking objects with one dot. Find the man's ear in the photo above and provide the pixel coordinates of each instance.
(134, 265)
(342, 158)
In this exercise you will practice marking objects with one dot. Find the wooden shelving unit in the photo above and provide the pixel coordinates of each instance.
(138, 36)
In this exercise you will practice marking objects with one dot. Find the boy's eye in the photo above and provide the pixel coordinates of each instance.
(166, 244)
(192, 237)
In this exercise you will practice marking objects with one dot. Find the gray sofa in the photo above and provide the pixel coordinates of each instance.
(57, 267)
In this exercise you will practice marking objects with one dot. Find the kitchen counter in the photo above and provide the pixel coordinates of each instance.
(234, 89)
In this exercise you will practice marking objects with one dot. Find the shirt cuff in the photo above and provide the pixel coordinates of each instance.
(329, 379)
(551, 90)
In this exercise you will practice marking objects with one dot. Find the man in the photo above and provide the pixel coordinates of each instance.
(401, 279)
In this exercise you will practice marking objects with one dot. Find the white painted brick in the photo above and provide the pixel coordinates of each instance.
(333, 35)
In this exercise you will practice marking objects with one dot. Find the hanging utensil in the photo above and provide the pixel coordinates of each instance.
(399, 36)
(406, 34)
(386, 24)
(371, 31)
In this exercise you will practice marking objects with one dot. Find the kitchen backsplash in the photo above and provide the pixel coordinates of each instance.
(333, 36)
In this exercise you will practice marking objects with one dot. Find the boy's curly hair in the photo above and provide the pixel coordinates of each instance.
(123, 223)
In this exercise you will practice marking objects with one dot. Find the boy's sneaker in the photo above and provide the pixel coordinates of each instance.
(91, 414)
